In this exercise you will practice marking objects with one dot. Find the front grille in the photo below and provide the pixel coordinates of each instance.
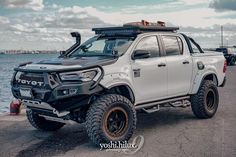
(33, 86)
(30, 79)
(32, 76)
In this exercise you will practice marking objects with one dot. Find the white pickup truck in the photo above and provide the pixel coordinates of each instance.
(105, 80)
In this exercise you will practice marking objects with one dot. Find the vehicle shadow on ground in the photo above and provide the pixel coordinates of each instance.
(59, 142)
(72, 136)
(164, 117)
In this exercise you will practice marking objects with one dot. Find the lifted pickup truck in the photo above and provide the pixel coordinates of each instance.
(104, 81)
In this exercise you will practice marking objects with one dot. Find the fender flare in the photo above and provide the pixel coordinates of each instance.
(203, 77)
(131, 92)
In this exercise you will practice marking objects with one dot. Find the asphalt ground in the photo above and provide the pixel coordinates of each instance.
(169, 132)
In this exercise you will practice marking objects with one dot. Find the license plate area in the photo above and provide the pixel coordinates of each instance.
(26, 92)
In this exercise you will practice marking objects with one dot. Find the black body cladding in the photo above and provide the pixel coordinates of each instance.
(51, 90)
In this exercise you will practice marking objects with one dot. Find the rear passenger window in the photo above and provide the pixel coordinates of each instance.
(149, 44)
(173, 45)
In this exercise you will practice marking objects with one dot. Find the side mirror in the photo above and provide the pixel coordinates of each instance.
(62, 53)
(140, 54)
(77, 36)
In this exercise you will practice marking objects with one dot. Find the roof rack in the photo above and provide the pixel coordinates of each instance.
(135, 28)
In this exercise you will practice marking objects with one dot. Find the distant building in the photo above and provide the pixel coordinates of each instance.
(27, 51)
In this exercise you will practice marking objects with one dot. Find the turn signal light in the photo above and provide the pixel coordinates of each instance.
(225, 66)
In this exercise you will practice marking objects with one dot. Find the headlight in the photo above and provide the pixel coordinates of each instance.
(83, 76)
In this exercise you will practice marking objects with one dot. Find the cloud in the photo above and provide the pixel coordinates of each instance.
(209, 37)
(83, 17)
(35, 5)
(45, 30)
(4, 20)
(223, 5)
(20, 28)
(198, 17)
(50, 29)
(194, 2)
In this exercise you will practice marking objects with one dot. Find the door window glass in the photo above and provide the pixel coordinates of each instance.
(149, 44)
(173, 45)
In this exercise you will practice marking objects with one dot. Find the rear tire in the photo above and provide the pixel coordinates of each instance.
(112, 117)
(205, 103)
(41, 123)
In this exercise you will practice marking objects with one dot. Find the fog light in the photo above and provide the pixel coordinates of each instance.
(65, 92)
(73, 91)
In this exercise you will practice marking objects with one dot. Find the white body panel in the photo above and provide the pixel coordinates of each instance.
(152, 83)
(179, 75)
(214, 64)
(176, 79)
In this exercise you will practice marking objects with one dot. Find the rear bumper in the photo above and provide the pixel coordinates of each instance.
(224, 82)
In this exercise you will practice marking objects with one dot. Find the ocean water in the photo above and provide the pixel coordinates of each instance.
(7, 64)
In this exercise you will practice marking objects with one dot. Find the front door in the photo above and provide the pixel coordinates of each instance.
(149, 74)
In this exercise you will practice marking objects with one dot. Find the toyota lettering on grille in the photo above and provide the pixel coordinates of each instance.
(28, 82)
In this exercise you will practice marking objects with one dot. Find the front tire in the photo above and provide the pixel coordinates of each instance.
(205, 103)
(41, 123)
(112, 117)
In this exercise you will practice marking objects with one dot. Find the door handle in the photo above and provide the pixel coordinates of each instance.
(185, 62)
(161, 65)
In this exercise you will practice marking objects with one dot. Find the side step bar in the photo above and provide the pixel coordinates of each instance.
(152, 110)
(151, 104)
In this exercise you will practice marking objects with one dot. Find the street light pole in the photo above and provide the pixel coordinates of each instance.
(222, 36)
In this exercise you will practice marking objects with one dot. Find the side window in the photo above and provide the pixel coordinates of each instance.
(181, 47)
(149, 44)
(173, 45)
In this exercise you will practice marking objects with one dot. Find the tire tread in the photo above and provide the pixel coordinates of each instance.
(197, 100)
(95, 113)
(41, 123)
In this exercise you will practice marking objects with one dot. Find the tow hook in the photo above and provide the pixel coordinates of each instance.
(60, 114)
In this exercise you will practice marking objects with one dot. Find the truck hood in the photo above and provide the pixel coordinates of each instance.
(70, 63)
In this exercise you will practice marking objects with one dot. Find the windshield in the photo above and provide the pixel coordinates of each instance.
(102, 46)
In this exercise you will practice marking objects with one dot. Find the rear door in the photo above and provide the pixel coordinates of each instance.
(149, 74)
(179, 65)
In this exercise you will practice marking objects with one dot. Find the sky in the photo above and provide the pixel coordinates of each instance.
(46, 24)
